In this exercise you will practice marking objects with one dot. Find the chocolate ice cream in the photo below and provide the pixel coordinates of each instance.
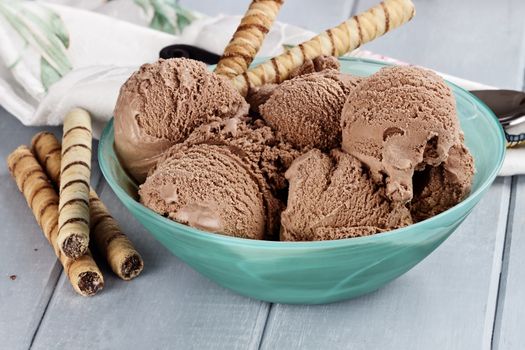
(306, 110)
(259, 95)
(403, 157)
(318, 64)
(162, 103)
(437, 189)
(208, 187)
(254, 147)
(332, 197)
(254, 142)
(399, 120)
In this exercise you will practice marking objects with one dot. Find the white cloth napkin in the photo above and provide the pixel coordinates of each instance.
(55, 57)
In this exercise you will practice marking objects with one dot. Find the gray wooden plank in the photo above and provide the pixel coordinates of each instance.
(481, 40)
(508, 332)
(303, 13)
(449, 300)
(24, 250)
(168, 306)
(446, 302)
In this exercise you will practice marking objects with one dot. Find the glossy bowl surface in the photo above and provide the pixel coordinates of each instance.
(326, 271)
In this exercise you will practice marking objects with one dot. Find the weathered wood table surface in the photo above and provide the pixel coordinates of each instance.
(469, 294)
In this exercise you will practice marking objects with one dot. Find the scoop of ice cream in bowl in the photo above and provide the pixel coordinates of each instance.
(247, 202)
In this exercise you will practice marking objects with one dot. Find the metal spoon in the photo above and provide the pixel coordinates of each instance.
(508, 105)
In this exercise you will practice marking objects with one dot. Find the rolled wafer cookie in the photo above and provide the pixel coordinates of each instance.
(336, 41)
(122, 257)
(42, 198)
(47, 149)
(112, 243)
(75, 172)
(248, 37)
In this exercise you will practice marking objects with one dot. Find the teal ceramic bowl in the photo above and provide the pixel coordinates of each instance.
(326, 271)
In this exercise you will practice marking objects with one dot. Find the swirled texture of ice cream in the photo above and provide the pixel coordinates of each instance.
(162, 103)
(331, 197)
(306, 110)
(255, 142)
(399, 120)
(439, 188)
(256, 146)
(210, 188)
(260, 94)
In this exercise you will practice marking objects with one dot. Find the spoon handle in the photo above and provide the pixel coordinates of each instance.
(189, 51)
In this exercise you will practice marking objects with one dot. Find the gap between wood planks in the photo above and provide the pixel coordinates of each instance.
(502, 285)
(53, 281)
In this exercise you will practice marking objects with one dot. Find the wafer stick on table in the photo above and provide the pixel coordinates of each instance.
(83, 273)
(47, 149)
(336, 41)
(75, 172)
(248, 37)
(112, 243)
(120, 253)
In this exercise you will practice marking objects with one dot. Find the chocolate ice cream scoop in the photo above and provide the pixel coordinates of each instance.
(256, 145)
(306, 110)
(439, 188)
(255, 142)
(317, 64)
(208, 187)
(332, 197)
(399, 120)
(258, 95)
(162, 103)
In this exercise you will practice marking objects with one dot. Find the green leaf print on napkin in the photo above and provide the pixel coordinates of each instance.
(184, 17)
(58, 28)
(48, 74)
(166, 15)
(44, 31)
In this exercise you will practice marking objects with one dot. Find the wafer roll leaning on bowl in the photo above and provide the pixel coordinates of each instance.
(336, 41)
(248, 37)
(83, 273)
(75, 173)
(109, 239)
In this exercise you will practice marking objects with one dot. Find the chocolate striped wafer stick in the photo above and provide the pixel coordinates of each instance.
(83, 273)
(120, 253)
(75, 173)
(109, 239)
(48, 151)
(248, 37)
(336, 41)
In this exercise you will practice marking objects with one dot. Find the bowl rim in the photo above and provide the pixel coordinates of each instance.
(179, 228)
